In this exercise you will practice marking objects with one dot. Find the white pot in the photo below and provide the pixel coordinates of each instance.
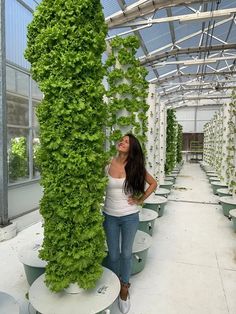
(73, 288)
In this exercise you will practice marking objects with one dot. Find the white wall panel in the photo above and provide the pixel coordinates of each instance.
(185, 113)
(23, 198)
(186, 117)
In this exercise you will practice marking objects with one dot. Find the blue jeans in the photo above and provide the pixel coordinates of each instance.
(120, 229)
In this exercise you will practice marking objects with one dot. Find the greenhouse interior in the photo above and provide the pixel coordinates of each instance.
(77, 76)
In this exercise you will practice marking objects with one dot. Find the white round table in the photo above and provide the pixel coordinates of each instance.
(8, 304)
(162, 191)
(86, 302)
(34, 266)
(147, 219)
(154, 199)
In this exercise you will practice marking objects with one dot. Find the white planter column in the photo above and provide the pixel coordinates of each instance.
(122, 112)
(231, 148)
(151, 133)
(223, 169)
(218, 141)
(156, 140)
(234, 174)
(161, 110)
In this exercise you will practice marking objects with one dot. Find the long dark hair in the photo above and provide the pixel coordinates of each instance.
(135, 168)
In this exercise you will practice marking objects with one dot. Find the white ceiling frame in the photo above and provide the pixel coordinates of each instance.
(197, 98)
(192, 9)
(229, 53)
(142, 8)
(212, 88)
(182, 51)
(129, 31)
(227, 64)
(194, 82)
(199, 16)
(216, 72)
(186, 38)
(196, 103)
(195, 61)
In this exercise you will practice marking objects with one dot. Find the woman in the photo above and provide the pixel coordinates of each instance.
(125, 192)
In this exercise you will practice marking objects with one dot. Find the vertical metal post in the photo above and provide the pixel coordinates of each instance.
(3, 123)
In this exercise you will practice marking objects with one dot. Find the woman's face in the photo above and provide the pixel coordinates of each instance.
(123, 145)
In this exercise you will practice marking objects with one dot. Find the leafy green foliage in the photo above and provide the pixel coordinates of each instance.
(171, 141)
(127, 90)
(18, 161)
(179, 143)
(65, 42)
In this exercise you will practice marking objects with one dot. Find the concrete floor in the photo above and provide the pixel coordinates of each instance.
(191, 266)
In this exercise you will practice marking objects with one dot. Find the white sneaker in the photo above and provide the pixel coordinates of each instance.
(124, 305)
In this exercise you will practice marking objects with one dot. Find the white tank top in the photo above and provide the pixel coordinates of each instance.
(116, 201)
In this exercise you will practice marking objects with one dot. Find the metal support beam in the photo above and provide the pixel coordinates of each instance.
(183, 39)
(165, 55)
(3, 122)
(195, 61)
(196, 97)
(199, 16)
(144, 7)
(213, 87)
(176, 76)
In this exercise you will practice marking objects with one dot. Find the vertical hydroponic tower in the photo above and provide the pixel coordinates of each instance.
(65, 42)
(128, 90)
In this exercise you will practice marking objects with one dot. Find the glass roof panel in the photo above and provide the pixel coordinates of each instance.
(186, 29)
(156, 36)
(166, 69)
(222, 32)
(110, 7)
(150, 75)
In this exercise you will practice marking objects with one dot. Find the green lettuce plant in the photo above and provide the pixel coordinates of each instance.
(179, 143)
(128, 90)
(65, 42)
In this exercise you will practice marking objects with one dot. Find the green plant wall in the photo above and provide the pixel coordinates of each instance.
(179, 143)
(65, 42)
(128, 90)
(171, 141)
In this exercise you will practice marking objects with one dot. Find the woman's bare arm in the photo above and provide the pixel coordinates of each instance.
(152, 186)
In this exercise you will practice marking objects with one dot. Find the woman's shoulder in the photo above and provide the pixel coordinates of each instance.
(107, 167)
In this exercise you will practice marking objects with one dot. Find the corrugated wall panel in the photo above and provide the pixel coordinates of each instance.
(17, 19)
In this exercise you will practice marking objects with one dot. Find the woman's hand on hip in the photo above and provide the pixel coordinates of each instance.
(134, 201)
